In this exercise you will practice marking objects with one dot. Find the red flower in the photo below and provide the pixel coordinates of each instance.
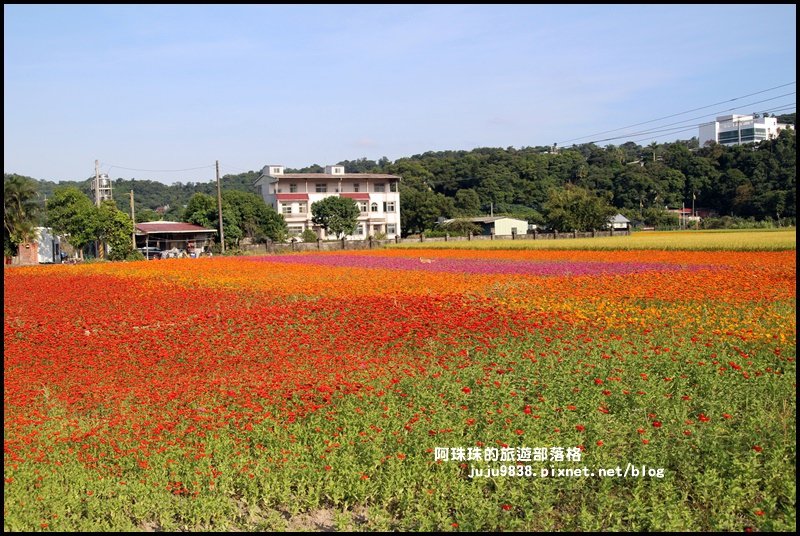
(656, 424)
(527, 410)
(506, 507)
(580, 428)
(467, 390)
(703, 417)
(757, 448)
(599, 442)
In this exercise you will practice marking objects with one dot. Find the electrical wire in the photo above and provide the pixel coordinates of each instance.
(676, 114)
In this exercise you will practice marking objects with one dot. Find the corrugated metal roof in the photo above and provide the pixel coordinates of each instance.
(170, 227)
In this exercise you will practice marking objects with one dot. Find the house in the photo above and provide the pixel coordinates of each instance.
(619, 223)
(292, 194)
(169, 235)
(45, 249)
(735, 129)
(497, 225)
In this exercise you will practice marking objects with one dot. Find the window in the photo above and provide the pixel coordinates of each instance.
(321, 188)
(388, 206)
(393, 186)
(359, 230)
(295, 230)
(362, 206)
(374, 207)
(286, 209)
(380, 187)
(303, 207)
(292, 188)
(390, 228)
(356, 186)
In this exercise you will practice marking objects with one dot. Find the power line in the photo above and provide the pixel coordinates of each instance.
(112, 166)
(677, 114)
(629, 134)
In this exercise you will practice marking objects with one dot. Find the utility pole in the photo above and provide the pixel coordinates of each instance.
(219, 210)
(133, 219)
(97, 183)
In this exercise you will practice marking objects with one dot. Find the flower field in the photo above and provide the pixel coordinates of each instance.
(404, 389)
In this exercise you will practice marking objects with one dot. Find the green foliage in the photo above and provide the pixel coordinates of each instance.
(308, 235)
(20, 210)
(147, 214)
(755, 181)
(243, 215)
(460, 227)
(70, 212)
(574, 208)
(115, 229)
(337, 215)
(257, 220)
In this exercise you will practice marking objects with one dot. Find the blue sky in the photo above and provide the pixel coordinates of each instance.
(151, 89)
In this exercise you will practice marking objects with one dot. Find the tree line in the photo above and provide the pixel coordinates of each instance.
(569, 188)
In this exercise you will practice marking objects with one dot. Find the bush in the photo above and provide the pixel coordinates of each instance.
(735, 222)
(308, 235)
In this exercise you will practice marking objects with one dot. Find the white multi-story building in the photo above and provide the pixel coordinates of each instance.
(737, 129)
(292, 194)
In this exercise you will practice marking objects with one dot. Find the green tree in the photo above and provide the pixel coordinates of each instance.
(257, 220)
(115, 229)
(72, 213)
(202, 210)
(574, 208)
(338, 215)
(20, 208)
(146, 214)
(467, 202)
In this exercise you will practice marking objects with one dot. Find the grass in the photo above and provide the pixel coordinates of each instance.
(711, 240)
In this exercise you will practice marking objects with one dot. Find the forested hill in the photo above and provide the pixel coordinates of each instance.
(756, 181)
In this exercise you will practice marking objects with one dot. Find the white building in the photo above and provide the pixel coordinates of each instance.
(619, 222)
(496, 225)
(737, 129)
(292, 194)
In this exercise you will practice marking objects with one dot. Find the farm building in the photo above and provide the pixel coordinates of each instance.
(167, 235)
(497, 225)
(619, 222)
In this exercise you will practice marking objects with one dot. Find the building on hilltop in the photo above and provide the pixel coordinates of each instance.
(292, 194)
(738, 129)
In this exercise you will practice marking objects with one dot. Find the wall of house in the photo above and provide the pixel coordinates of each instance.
(380, 212)
(506, 225)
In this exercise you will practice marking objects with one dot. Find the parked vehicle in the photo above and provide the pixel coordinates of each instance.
(151, 252)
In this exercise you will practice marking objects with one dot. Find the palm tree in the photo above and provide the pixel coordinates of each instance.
(19, 212)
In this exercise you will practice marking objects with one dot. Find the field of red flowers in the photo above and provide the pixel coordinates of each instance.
(403, 390)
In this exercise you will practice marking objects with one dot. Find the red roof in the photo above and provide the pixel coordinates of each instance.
(357, 196)
(170, 227)
(292, 197)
